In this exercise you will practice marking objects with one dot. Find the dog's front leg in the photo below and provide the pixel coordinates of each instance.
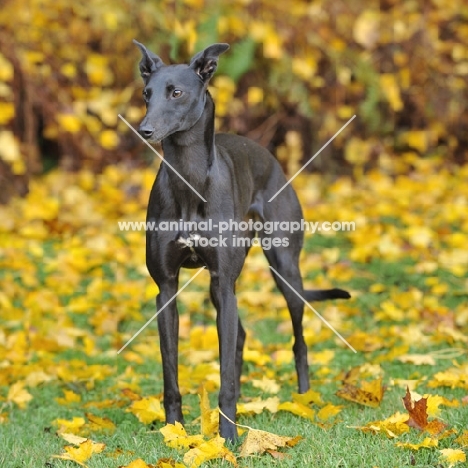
(168, 324)
(222, 295)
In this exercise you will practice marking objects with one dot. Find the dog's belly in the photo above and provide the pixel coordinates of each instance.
(192, 262)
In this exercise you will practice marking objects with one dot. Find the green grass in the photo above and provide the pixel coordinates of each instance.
(29, 437)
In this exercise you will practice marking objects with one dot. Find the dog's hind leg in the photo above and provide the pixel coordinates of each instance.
(286, 264)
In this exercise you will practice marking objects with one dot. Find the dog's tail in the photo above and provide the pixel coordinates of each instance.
(324, 294)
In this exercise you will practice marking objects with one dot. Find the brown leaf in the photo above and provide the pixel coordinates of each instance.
(417, 411)
(370, 394)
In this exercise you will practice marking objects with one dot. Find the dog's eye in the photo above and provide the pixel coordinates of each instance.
(146, 94)
(176, 93)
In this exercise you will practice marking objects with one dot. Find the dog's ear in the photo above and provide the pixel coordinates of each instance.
(205, 62)
(149, 62)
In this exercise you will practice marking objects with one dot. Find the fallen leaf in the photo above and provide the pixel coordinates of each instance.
(452, 456)
(418, 359)
(307, 398)
(175, 436)
(267, 385)
(81, 453)
(209, 417)
(328, 411)
(426, 443)
(462, 439)
(69, 397)
(258, 405)
(297, 409)
(278, 455)
(392, 427)
(209, 450)
(96, 423)
(258, 442)
(72, 438)
(169, 463)
(19, 395)
(417, 411)
(138, 463)
(370, 394)
(418, 415)
(147, 410)
(74, 426)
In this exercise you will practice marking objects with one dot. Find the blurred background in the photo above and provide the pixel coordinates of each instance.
(296, 72)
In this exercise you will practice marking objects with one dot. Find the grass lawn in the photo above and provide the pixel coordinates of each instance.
(74, 289)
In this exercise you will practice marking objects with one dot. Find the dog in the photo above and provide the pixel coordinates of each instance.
(227, 179)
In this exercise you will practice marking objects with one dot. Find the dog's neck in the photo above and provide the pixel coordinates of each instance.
(192, 152)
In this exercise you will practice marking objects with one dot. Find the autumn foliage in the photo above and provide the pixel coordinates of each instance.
(295, 73)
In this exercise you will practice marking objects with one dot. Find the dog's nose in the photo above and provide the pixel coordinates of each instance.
(146, 131)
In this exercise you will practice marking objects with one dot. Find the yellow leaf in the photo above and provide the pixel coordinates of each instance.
(209, 417)
(6, 69)
(452, 456)
(176, 437)
(391, 91)
(258, 405)
(9, 147)
(434, 401)
(81, 453)
(69, 122)
(138, 463)
(72, 438)
(73, 426)
(258, 442)
(358, 151)
(307, 398)
(167, 463)
(377, 288)
(392, 427)
(328, 411)
(257, 357)
(109, 139)
(366, 30)
(254, 95)
(147, 410)
(97, 69)
(298, 409)
(210, 450)
(272, 45)
(17, 394)
(68, 70)
(304, 68)
(462, 439)
(322, 357)
(70, 397)
(426, 443)
(417, 139)
(151, 291)
(7, 112)
(267, 385)
(97, 423)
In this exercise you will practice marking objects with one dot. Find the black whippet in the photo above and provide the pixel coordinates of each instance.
(231, 180)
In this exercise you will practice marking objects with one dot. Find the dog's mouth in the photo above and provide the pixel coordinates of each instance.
(153, 140)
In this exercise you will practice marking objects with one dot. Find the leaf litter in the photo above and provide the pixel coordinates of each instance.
(73, 286)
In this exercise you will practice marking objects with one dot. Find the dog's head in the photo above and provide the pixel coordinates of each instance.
(175, 94)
